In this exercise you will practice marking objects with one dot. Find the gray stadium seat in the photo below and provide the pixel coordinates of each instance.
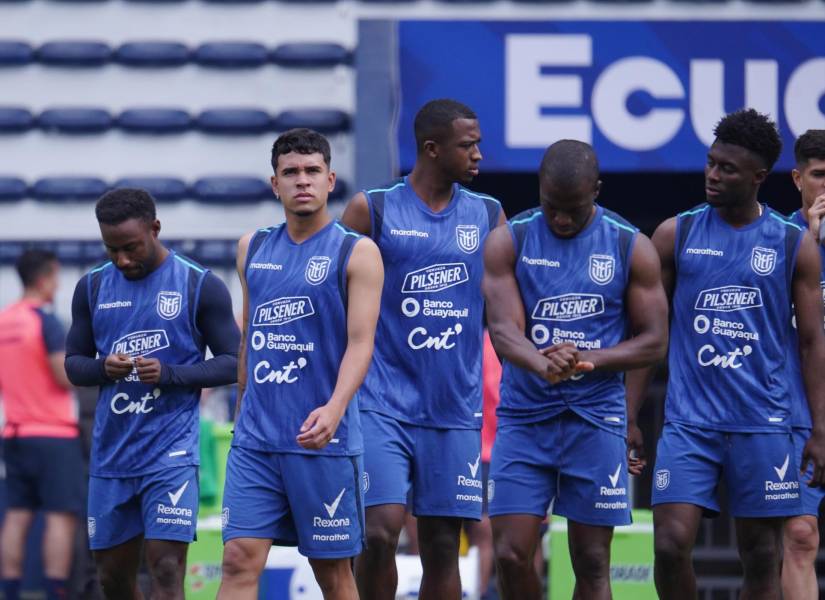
(234, 121)
(231, 189)
(14, 53)
(152, 54)
(231, 55)
(75, 120)
(64, 189)
(154, 120)
(74, 53)
(310, 54)
(163, 189)
(12, 188)
(324, 120)
(14, 119)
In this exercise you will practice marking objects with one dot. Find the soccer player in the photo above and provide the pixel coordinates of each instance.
(421, 405)
(567, 281)
(311, 298)
(44, 462)
(733, 268)
(801, 533)
(141, 324)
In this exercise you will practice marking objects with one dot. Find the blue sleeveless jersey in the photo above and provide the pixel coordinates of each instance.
(800, 413)
(730, 335)
(296, 338)
(141, 428)
(426, 370)
(572, 290)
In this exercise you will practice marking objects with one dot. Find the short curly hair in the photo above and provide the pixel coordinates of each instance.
(751, 130)
(809, 145)
(122, 204)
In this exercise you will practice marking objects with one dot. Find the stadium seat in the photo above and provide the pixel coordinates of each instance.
(310, 54)
(152, 54)
(234, 121)
(14, 53)
(74, 54)
(215, 252)
(341, 190)
(321, 119)
(154, 120)
(186, 247)
(75, 120)
(231, 55)
(64, 189)
(10, 251)
(230, 190)
(14, 119)
(163, 189)
(12, 188)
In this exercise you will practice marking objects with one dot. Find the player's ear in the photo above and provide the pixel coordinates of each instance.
(273, 181)
(597, 189)
(797, 179)
(156, 228)
(431, 148)
(331, 181)
(759, 176)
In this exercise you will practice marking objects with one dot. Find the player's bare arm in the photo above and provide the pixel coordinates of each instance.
(807, 298)
(240, 263)
(505, 315)
(365, 280)
(357, 214)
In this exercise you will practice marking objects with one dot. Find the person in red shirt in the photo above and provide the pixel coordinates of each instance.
(41, 444)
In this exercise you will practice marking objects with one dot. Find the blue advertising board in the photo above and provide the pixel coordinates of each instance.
(647, 95)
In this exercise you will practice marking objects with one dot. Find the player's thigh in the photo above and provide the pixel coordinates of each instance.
(388, 455)
(114, 512)
(811, 496)
(169, 503)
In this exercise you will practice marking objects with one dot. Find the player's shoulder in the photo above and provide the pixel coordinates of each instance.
(188, 264)
(694, 211)
(382, 190)
(526, 216)
(783, 220)
(614, 219)
(345, 230)
(473, 195)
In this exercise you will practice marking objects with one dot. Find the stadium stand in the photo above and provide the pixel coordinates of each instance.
(152, 54)
(163, 189)
(74, 53)
(15, 120)
(154, 120)
(75, 120)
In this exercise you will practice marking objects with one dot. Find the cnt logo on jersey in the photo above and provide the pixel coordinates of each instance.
(317, 269)
(763, 260)
(467, 237)
(282, 310)
(169, 304)
(569, 307)
(602, 268)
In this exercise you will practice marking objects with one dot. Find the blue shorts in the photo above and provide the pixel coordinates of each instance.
(442, 466)
(565, 461)
(311, 501)
(159, 506)
(811, 496)
(44, 473)
(760, 470)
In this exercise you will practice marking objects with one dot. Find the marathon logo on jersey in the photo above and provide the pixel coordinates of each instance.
(467, 237)
(781, 489)
(569, 307)
(169, 304)
(266, 266)
(729, 298)
(472, 482)
(172, 514)
(115, 304)
(763, 260)
(141, 343)
(330, 521)
(409, 233)
(282, 310)
(602, 268)
(613, 490)
(704, 252)
(435, 278)
(540, 262)
(317, 269)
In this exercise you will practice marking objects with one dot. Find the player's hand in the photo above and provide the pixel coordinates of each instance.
(563, 362)
(148, 370)
(319, 427)
(814, 452)
(117, 366)
(815, 215)
(636, 457)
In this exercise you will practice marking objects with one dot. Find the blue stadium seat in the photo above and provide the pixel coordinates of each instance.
(231, 55)
(64, 189)
(341, 190)
(94, 251)
(228, 190)
(324, 120)
(234, 121)
(10, 251)
(310, 54)
(12, 188)
(152, 54)
(75, 120)
(219, 253)
(69, 252)
(154, 120)
(163, 189)
(14, 119)
(186, 247)
(74, 54)
(14, 53)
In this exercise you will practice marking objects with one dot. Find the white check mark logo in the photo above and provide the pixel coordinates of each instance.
(780, 471)
(175, 498)
(474, 467)
(332, 508)
(614, 479)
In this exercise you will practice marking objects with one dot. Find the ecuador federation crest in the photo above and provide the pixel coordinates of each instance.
(317, 269)
(662, 479)
(169, 304)
(467, 237)
(602, 268)
(763, 260)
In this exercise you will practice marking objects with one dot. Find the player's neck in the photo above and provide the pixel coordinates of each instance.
(433, 190)
(34, 296)
(303, 227)
(740, 215)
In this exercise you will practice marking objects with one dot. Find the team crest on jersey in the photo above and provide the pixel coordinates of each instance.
(662, 479)
(602, 268)
(763, 260)
(467, 237)
(169, 304)
(317, 269)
